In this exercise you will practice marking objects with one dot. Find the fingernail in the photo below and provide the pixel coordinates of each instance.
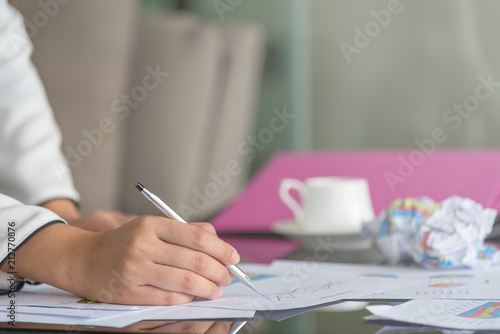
(229, 281)
(219, 294)
(235, 257)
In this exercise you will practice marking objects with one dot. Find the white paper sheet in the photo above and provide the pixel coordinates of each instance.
(49, 296)
(450, 284)
(297, 290)
(455, 314)
(202, 313)
(49, 305)
(462, 284)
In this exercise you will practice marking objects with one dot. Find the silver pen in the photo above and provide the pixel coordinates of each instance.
(168, 212)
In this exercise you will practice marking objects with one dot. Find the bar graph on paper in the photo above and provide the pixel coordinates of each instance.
(489, 310)
(445, 313)
(452, 285)
(479, 314)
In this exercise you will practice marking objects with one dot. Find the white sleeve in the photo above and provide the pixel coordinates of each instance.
(18, 223)
(32, 167)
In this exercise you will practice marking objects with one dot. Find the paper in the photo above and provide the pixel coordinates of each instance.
(49, 305)
(184, 312)
(456, 314)
(286, 290)
(460, 284)
(437, 235)
(452, 284)
(48, 296)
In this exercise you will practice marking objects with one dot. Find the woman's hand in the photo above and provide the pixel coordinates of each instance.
(96, 221)
(149, 261)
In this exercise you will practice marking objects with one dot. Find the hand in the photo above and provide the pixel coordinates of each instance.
(97, 221)
(101, 221)
(153, 261)
(206, 327)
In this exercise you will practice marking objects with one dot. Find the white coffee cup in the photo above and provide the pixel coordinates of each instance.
(336, 205)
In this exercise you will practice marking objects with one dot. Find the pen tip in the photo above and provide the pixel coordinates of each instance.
(139, 186)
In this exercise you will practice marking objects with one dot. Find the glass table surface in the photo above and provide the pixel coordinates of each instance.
(348, 317)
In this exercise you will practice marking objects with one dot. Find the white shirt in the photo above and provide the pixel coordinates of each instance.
(32, 167)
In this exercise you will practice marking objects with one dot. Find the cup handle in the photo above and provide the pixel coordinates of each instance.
(285, 187)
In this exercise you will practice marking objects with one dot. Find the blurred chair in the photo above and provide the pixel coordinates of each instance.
(179, 137)
(182, 137)
(391, 174)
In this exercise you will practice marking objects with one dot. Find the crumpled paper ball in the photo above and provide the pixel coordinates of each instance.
(437, 235)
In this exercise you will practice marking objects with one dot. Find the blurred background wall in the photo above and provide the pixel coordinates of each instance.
(376, 74)
(349, 74)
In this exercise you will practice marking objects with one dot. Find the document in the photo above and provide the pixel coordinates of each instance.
(287, 290)
(451, 284)
(457, 284)
(455, 314)
(289, 287)
(49, 305)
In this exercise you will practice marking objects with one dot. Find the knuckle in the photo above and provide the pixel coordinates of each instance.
(127, 271)
(201, 262)
(172, 298)
(228, 252)
(146, 221)
(190, 282)
(137, 247)
(201, 238)
(207, 227)
(190, 328)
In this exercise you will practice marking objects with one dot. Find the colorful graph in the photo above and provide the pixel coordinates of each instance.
(255, 277)
(489, 310)
(379, 275)
(449, 280)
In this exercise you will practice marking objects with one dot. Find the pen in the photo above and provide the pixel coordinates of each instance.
(167, 211)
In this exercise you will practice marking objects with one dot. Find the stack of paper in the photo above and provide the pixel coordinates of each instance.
(461, 299)
(454, 299)
(288, 288)
(49, 305)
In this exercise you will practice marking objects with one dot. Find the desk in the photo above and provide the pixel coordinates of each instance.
(327, 320)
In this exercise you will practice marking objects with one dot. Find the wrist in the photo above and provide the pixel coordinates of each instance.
(57, 255)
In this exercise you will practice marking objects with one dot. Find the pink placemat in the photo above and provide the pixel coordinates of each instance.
(391, 174)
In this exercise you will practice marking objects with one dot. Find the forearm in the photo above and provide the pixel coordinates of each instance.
(36, 244)
(55, 255)
(64, 208)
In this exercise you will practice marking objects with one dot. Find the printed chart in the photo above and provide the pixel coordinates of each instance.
(449, 280)
(456, 285)
(489, 310)
(459, 314)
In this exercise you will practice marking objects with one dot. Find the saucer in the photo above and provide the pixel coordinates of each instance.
(310, 237)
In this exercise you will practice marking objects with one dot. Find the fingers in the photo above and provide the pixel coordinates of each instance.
(195, 261)
(183, 282)
(219, 327)
(151, 295)
(186, 327)
(160, 262)
(116, 218)
(199, 239)
(205, 226)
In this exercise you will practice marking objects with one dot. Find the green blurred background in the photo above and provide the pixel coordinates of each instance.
(390, 93)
